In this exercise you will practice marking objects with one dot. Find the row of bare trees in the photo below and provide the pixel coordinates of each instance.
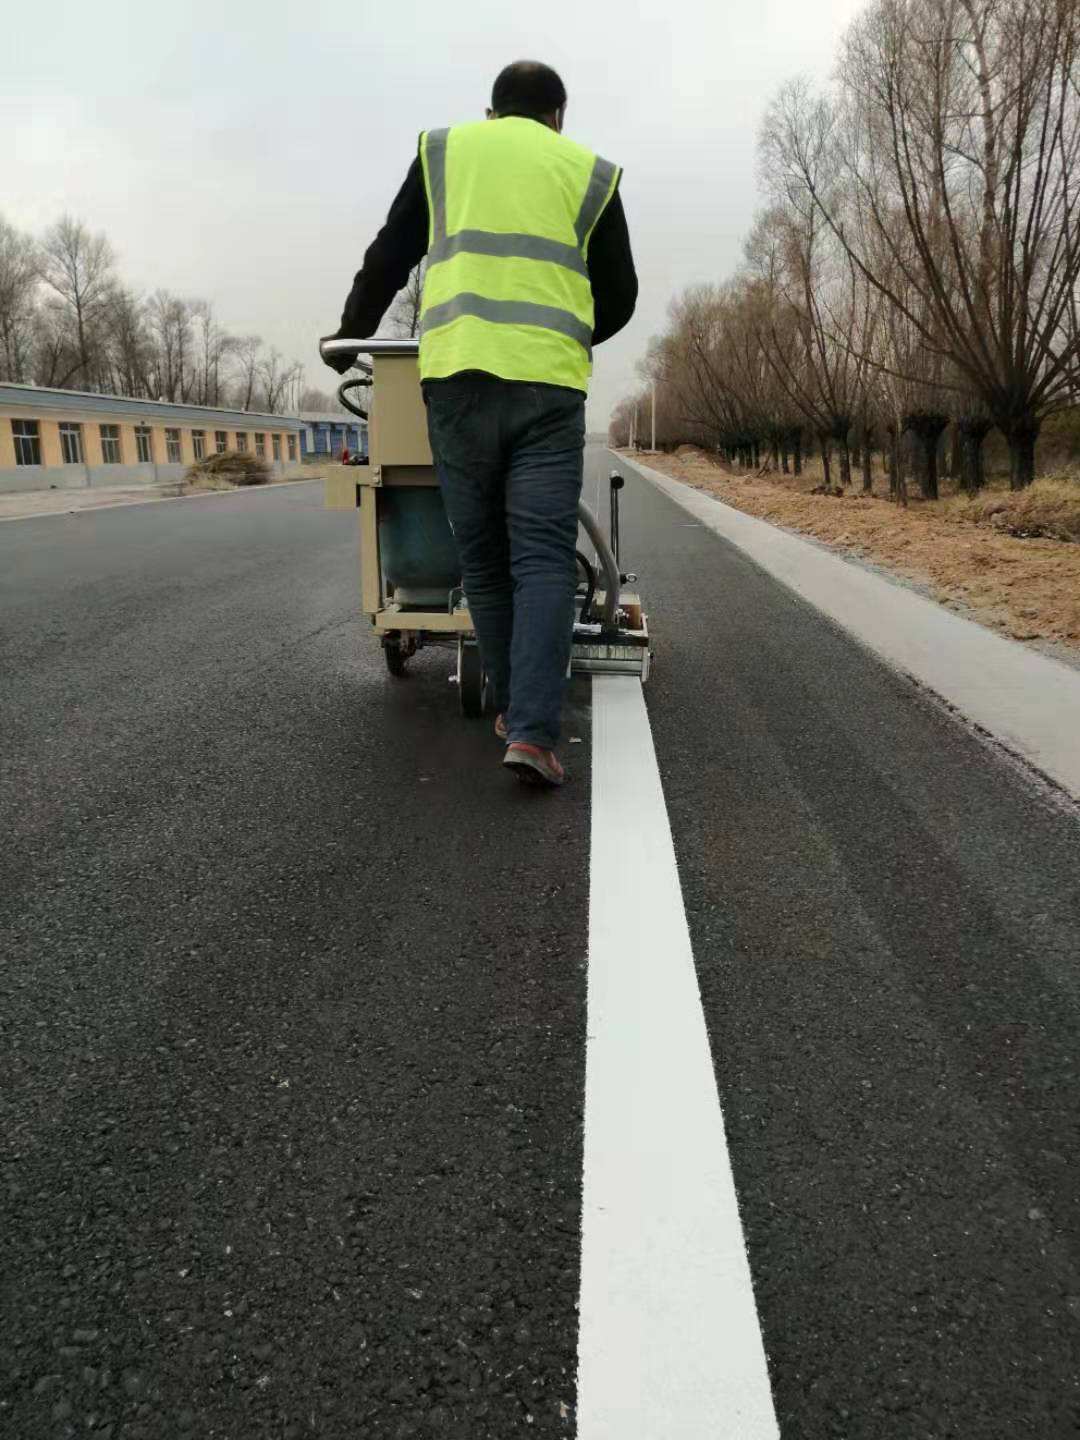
(67, 320)
(917, 265)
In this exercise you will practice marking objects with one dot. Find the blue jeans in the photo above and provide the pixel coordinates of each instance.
(509, 458)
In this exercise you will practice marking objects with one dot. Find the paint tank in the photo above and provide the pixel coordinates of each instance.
(416, 545)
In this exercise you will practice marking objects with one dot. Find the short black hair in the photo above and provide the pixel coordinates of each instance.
(528, 88)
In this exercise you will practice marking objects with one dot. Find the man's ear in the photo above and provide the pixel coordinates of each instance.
(560, 118)
(489, 114)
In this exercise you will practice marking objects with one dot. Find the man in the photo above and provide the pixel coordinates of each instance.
(528, 267)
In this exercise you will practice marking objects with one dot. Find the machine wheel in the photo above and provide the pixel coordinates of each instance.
(396, 657)
(472, 682)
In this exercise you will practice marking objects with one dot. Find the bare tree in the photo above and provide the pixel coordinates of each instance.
(213, 346)
(169, 319)
(276, 379)
(248, 360)
(962, 122)
(19, 267)
(79, 268)
(403, 316)
(130, 345)
(56, 356)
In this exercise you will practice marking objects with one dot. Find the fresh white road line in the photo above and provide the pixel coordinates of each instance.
(669, 1342)
(1028, 702)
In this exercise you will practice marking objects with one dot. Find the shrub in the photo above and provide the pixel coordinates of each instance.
(234, 467)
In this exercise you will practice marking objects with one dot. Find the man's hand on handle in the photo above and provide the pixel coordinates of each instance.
(341, 362)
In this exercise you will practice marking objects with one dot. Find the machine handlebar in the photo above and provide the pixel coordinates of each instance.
(329, 345)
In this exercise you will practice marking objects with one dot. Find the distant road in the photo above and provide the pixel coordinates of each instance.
(293, 1006)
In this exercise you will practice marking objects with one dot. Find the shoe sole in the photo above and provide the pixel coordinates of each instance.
(528, 772)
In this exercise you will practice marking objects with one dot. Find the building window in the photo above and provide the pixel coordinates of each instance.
(173, 454)
(241, 441)
(71, 443)
(110, 444)
(221, 441)
(198, 443)
(144, 449)
(27, 442)
(260, 445)
(292, 447)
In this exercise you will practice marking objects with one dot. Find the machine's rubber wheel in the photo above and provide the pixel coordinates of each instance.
(472, 682)
(396, 658)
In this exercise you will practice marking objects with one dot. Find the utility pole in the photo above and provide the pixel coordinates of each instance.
(633, 420)
(653, 447)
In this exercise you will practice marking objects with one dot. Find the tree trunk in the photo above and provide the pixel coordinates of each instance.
(927, 430)
(784, 456)
(796, 445)
(845, 465)
(1021, 437)
(867, 461)
(928, 474)
(958, 457)
(972, 473)
(825, 465)
(84, 358)
(897, 479)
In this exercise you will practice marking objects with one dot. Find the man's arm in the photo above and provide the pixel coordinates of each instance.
(391, 257)
(611, 272)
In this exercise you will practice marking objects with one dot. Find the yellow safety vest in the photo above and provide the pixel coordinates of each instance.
(512, 208)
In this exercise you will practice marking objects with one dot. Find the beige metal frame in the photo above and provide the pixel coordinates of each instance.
(399, 455)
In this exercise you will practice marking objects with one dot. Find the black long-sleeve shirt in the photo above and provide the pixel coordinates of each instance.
(402, 243)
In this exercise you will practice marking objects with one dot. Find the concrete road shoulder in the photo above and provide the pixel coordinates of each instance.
(1026, 702)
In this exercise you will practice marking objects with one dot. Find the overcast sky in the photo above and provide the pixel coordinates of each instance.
(247, 152)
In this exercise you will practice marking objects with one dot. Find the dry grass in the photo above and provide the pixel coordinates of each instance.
(1049, 508)
(968, 554)
(233, 468)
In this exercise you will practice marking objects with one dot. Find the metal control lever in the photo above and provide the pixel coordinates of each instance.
(616, 482)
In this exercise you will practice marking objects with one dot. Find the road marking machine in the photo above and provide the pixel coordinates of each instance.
(410, 581)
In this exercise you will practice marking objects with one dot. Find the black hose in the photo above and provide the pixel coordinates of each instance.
(352, 385)
(612, 579)
(590, 586)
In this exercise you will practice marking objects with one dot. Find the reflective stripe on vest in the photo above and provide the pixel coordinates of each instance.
(500, 277)
(508, 312)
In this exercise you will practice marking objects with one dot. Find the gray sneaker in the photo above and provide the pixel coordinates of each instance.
(534, 766)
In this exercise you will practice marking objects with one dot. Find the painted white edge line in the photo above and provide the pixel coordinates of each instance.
(669, 1342)
(1028, 702)
(156, 500)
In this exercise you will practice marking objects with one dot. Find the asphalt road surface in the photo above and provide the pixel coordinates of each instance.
(292, 1006)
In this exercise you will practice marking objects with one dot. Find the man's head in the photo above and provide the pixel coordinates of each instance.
(529, 89)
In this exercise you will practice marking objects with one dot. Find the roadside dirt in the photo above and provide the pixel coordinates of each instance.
(1028, 588)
